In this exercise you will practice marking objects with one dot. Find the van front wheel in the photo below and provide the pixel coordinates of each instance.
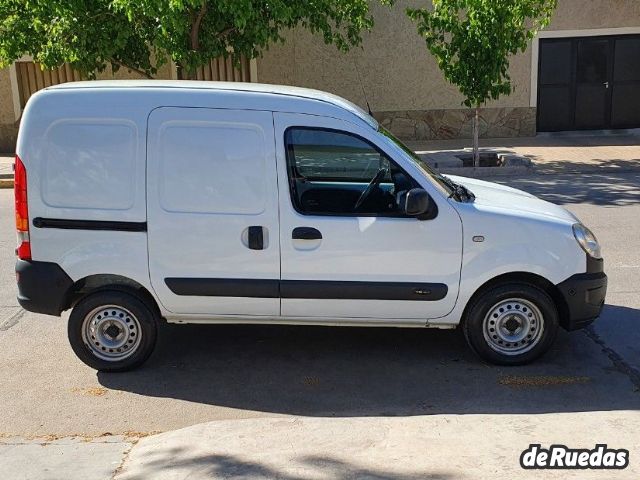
(511, 324)
(112, 331)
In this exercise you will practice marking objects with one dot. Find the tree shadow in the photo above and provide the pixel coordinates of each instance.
(329, 371)
(604, 189)
(178, 460)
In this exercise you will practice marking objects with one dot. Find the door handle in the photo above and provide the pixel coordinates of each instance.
(255, 238)
(606, 84)
(306, 233)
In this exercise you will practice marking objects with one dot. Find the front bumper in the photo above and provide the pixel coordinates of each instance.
(42, 286)
(584, 296)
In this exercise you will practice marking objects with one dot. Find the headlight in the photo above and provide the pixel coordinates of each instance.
(587, 240)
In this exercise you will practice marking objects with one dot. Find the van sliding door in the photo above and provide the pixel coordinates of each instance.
(213, 212)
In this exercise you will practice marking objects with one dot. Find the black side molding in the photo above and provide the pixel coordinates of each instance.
(224, 287)
(309, 289)
(66, 224)
(362, 290)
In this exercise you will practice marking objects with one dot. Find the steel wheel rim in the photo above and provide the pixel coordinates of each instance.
(513, 326)
(111, 332)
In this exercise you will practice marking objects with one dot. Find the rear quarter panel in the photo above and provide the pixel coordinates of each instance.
(84, 152)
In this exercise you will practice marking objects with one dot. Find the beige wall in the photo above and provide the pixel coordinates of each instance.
(583, 14)
(397, 71)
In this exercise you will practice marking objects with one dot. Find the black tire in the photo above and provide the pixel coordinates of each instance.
(146, 328)
(487, 305)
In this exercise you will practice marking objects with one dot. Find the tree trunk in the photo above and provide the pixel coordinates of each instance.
(188, 74)
(184, 73)
(476, 138)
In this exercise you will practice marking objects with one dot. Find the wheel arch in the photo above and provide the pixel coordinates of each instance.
(106, 281)
(528, 278)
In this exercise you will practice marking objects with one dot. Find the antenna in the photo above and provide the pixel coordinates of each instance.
(364, 94)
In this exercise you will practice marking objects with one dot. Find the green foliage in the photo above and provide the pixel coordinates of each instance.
(143, 34)
(89, 34)
(472, 40)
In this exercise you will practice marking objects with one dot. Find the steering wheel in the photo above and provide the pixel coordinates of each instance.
(375, 181)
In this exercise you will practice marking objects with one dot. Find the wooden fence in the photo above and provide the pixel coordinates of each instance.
(32, 78)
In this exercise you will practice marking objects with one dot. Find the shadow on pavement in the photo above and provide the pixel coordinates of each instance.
(606, 189)
(231, 466)
(325, 371)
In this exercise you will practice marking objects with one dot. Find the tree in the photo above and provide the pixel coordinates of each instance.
(88, 34)
(472, 41)
(142, 35)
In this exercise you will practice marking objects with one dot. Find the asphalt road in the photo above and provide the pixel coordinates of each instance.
(199, 373)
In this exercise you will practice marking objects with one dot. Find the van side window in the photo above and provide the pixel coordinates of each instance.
(338, 173)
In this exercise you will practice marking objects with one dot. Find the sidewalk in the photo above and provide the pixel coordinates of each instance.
(6, 171)
(68, 458)
(558, 154)
(423, 447)
(403, 448)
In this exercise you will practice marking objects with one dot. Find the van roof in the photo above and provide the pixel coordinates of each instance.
(284, 90)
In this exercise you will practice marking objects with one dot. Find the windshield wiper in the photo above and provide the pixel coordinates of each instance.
(467, 193)
(460, 192)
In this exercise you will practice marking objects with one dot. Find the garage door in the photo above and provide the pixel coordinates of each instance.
(589, 83)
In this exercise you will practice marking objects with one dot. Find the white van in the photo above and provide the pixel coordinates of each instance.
(205, 202)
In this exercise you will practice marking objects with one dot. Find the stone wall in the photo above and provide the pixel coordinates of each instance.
(458, 123)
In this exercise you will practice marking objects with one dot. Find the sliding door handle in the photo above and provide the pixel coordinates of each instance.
(306, 233)
(255, 238)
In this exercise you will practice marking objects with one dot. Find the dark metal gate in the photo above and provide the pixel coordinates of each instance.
(589, 83)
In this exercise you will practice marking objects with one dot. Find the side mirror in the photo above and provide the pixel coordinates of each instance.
(416, 202)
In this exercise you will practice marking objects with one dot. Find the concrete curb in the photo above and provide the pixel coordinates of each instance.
(480, 172)
(500, 172)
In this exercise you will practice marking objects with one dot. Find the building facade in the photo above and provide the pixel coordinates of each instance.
(582, 72)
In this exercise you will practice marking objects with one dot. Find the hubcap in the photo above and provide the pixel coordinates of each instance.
(513, 326)
(112, 333)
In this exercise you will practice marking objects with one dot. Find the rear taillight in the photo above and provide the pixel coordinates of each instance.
(22, 211)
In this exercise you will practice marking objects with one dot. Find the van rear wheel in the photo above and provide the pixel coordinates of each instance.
(511, 324)
(112, 331)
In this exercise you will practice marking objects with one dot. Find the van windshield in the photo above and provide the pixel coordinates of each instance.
(417, 161)
(453, 189)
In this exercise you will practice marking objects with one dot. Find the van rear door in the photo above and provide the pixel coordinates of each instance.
(212, 200)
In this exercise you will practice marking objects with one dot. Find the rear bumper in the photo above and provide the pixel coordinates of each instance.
(42, 286)
(584, 295)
